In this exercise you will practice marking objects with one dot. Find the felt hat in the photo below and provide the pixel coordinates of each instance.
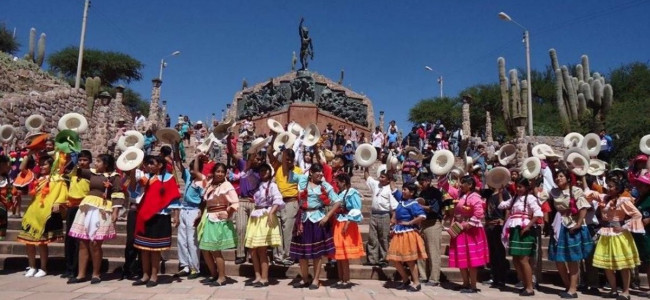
(365, 155)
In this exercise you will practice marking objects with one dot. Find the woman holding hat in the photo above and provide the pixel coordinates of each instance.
(263, 230)
(571, 241)
(216, 231)
(42, 222)
(642, 241)
(312, 237)
(468, 213)
(97, 214)
(518, 235)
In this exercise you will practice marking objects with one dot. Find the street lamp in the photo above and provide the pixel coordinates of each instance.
(163, 64)
(440, 79)
(506, 17)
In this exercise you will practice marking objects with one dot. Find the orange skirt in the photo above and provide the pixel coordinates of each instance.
(406, 246)
(350, 245)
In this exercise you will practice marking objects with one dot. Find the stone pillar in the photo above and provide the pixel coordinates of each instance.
(381, 122)
(229, 113)
(488, 127)
(154, 117)
(467, 130)
(163, 114)
(520, 143)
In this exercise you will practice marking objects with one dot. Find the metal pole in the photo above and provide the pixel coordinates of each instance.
(441, 81)
(162, 65)
(530, 84)
(77, 82)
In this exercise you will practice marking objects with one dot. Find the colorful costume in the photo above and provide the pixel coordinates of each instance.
(93, 220)
(642, 240)
(153, 227)
(78, 190)
(522, 210)
(348, 245)
(564, 245)
(258, 233)
(406, 243)
(310, 240)
(617, 250)
(469, 249)
(40, 225)
(216, 231)
(5, 204)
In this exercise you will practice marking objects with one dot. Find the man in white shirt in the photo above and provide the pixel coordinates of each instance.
(383, 204)
(138, 121)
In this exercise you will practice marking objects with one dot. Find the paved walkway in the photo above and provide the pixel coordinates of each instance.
(16, 286)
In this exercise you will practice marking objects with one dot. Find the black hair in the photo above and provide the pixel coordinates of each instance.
(217, 166)
(86, 154)
(4, 159)
(345, 178)
(424, 176)
(619, 184)
(166, 150)
(411, 187)
(265, 167)
(316, 168)
(290, 154)
(108, 161)
(468, 179)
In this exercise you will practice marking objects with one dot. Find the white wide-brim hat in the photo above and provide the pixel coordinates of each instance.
(597, 167)
(531, 167)
(441, 162)
(573, 139)
(497, 177)
(285, 139)
(506, 154)
(295, 128)
(34, 123)
(365, 155)
(130, 159)
(73, 121)
(578, 158)
(644, 144)
(131, 138)
(312, 135)
(275, 126)
(381, 168)
(591, 143)
(168, 136)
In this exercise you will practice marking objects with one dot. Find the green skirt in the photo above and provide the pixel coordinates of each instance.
(216, 236)
(521, 245)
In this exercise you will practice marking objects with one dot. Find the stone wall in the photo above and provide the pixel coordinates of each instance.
(27, 90)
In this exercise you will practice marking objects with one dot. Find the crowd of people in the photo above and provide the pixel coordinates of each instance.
(281, 202)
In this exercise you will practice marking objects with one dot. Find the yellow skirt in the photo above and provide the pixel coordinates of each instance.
(616, 252)
(259, 234)
(406, 246)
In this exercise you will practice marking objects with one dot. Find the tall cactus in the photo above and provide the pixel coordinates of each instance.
(36, 57)
(92, 90)
(40, 57)
(585, 95)
(514, 98)
(32, 44)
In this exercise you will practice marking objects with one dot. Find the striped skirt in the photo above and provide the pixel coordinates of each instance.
(521, 245)
(569, 246)
(157, 234)
(259, 234)
(315, 242)
(616, 252)
(216, 236)
(469, 249)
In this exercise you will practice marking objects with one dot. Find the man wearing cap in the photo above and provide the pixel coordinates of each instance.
(430, 198)
(249, 182)
(139, 120)
(289, 192)
(383, 204)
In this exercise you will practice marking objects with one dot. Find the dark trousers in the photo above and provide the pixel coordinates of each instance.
(499, 265)
(132, 265)
(70, 244)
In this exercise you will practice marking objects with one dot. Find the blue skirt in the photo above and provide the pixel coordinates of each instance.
(315, 242)
(571, 247)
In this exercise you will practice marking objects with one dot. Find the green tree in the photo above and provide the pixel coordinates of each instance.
(8, 43)
(446, 109)
(485, 97)
(134, 102)
(111, 67)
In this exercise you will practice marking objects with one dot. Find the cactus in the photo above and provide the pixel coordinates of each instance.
(580, 96)
(32, 44)
(514, 98)
(92, 90)
(40, 57)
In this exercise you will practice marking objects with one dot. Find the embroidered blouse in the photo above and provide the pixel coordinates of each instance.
(407, 210)
(521, 215)
(470, 209)
(315, 207)
(265, 197)
(219, 199)
(350, 206)
(614, 214)
(561, 200)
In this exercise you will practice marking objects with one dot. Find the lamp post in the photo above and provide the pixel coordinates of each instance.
(440, 79)
(163, 64)
(506, 17)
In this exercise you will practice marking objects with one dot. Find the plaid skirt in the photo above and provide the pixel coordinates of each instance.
(315, 242)
(519, 245)
(157, 234)
(569, 246)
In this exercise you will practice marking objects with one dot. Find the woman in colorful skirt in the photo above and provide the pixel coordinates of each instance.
(615, 250)
(312, 238)
(216, 231)
(518, 236)
(262, 230)
(347, 237)
(469, 249)
(570, 242)
(157, 212)
(642, 240)
(42, 222)
(97, 214)
(406, 244)
(5, 194)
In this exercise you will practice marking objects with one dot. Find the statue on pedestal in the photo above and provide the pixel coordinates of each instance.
(306, 46)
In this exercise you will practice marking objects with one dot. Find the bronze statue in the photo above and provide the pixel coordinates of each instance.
(306, 47)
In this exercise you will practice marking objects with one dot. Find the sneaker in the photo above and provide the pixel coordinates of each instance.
(193, 275)
(30, 272)
(40, 274)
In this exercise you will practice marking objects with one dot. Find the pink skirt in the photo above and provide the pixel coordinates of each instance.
(469, 249)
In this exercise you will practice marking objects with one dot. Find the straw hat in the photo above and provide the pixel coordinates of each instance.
(275, 126)
(591, 143)
(391, 161)
(258, 144)
(34, 123)
(531, 167)
(596, 167)
(506, 154)
(74, 122)
(285, 139)
(644, 144)
(311, 136)
(295, 128)
(573, 139)
(131, 138)
(168, 136)
(7, 133)
(381, 168)
(578, 159)
(442, 162)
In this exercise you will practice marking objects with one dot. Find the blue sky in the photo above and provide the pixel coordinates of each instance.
(382, 45)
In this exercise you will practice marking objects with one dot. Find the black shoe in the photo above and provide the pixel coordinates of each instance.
(345, 286)
(414, 289)
(331, 263)
(469, 291)
(592, 291)
(432, 283)
(151, 284)
(403, 285)
(194, 275)
(622, 297)
(497, 285)
(67, 275)
(566, 295)
(182, 273)
(260, 284)
(300, 284)
(95, 280)
(525, 293)
(250, 283)
(314, 286)
(460, 287)
(208, 280)
(611, 295)
(240, 260)
(217, 283)
(369, 264)
(139, 282)
(382, 264)
(74, 280)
